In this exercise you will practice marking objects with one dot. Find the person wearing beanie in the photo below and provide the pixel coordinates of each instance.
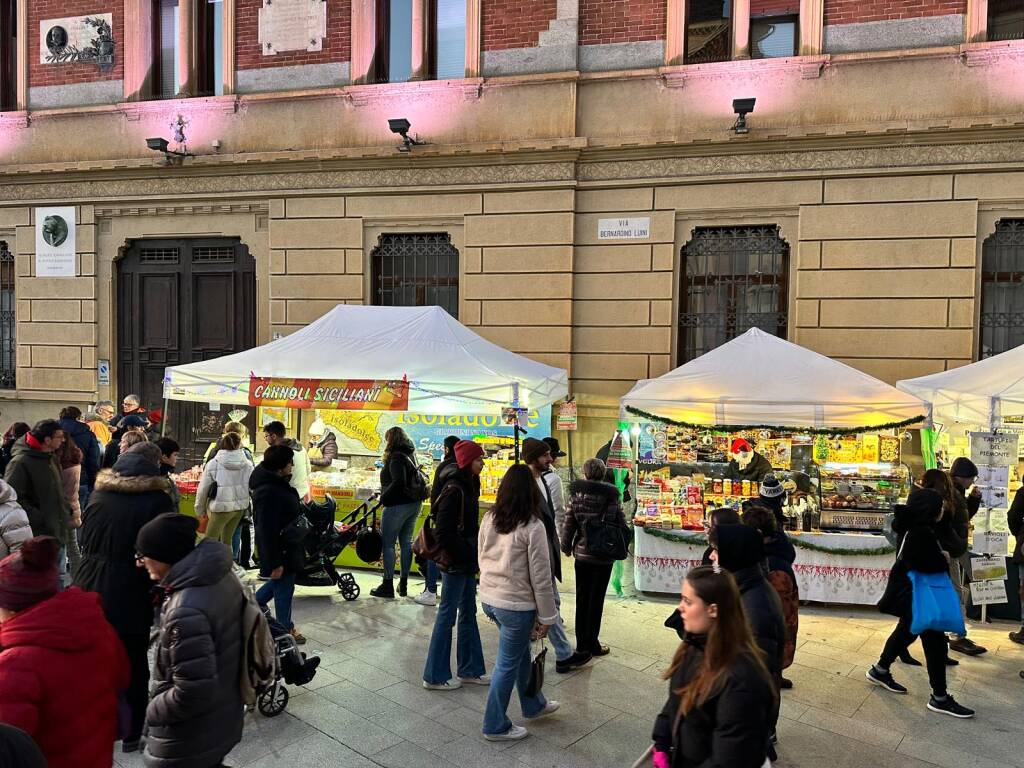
(772, 494)
(34, 474)
(402, 493)
(537, 456)
(126, 498)
(921, 551)
(962, 474)
(276, 504)
(195, 715)
(457, 521)
(61, 664)
(442, 472)
(739, 549)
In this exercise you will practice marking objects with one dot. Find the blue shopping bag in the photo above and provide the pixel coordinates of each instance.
(935, 604)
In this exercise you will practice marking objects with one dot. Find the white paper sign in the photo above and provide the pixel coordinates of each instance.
(988, 568)
(991, 542)
(992, 449)
(55, 242)
(988, 592)
(996, 498)
(993, 475)
(624, 229)
(103, 372)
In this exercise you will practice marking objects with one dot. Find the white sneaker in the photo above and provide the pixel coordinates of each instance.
(549, 709)
(239, 571)
(426, 598)
(482, 680)
(515, 733)
(451, 685)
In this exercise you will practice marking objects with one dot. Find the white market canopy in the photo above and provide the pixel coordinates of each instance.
(983, 393)
(760, 380)
(450, 369)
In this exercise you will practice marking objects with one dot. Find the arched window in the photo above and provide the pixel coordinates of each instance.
(1002, 289)
(732, 279)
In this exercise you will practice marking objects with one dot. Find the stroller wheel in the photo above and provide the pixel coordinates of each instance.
(350, 591)
(272, 701)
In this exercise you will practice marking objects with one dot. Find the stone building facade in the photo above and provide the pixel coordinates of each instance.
(578, 168)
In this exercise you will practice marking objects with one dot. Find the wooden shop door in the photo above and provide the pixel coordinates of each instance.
(181, 301)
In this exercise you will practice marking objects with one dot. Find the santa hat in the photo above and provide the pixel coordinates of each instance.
(740, 445)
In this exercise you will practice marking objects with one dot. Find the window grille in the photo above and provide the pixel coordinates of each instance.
(416, 270)
(8, 319)
(1002, 289)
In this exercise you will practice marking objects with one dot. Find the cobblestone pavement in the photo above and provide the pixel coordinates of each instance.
(366, 706)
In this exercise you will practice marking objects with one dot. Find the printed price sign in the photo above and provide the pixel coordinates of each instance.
(567, 416)
(993, 449)
(988, 568)
(994, 498)
(993, 476)
(988, 592)
(991, 542)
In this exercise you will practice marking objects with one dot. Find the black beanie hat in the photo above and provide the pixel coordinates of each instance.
(167, 538)
(963, 467)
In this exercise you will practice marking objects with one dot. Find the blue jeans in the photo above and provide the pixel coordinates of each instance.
(457, 598)
(430, 577)
(396, 525)
(511, 668)
(559, 640)
(281, 592)
(236, 542)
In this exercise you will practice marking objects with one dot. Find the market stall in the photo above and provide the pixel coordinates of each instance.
(708, 432)
(361, 370)
(978, 412)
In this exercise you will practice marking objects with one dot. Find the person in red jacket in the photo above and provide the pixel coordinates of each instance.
(61, 664)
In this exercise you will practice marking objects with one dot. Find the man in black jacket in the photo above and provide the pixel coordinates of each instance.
(77, 430)
(442, 472)
(963, 473)
(275, 504)
(195, 716)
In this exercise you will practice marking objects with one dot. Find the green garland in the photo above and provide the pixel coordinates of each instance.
(775, 427)
(698, 540)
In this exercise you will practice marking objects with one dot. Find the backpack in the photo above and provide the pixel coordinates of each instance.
(260, 665)
(418, 486)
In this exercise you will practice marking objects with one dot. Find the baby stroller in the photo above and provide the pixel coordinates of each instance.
(328, 537)
(294, 668)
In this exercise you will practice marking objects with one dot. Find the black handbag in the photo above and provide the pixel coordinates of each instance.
(296, 531)
(536, 682)
(898, 596)
(607, 540)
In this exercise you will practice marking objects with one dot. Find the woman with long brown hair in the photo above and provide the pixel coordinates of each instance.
(517, 595)
(721, 698)
(402, 493)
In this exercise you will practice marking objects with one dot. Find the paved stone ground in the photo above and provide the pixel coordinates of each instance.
(366, 707)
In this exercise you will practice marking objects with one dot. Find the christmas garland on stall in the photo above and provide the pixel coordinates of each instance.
(774, 427)
(697, 540)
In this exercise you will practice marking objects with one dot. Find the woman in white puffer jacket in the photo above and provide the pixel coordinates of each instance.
(229, 472)
(14, 527)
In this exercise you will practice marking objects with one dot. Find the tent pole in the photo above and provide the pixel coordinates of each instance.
(163, 421)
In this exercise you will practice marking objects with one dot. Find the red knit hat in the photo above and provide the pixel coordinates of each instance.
(30, 575)
(739, 444)
(466, 452)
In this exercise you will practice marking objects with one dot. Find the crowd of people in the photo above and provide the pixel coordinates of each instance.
(91, 538)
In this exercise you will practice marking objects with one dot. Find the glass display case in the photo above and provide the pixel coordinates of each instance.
(857, 497)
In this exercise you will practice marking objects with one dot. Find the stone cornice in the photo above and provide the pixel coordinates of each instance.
(113, 211)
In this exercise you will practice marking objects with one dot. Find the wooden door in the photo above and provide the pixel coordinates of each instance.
(180, 301)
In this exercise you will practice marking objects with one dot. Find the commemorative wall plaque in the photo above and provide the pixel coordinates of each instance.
(292, 25)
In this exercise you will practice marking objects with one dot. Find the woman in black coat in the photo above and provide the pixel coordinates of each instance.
(590, 500)
(920, 550)
(276, 504)
(402, 493)
(720, 706)
(125, 499)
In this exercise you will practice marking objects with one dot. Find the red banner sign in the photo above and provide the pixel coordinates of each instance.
(340, 394)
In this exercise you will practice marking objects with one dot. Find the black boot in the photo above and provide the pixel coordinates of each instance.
(403, 590)
(386, 589)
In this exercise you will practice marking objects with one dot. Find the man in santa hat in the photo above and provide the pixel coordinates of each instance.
(745, 463)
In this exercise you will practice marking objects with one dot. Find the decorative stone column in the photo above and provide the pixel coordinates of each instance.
(21, 57)
(364, 40)
(137, 47)
(186, 63)
(675, 32)
(473, 38)
(812, 31)
(228, 46)
(420, 69)
(741, 29)
(977, 21)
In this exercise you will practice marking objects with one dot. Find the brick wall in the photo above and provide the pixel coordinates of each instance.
(773, 7)
(515, 23)
(67, 74)
(853, 11)
(621, 21)
(336, 46)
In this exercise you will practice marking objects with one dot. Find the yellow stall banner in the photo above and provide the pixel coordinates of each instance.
(333, 394)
